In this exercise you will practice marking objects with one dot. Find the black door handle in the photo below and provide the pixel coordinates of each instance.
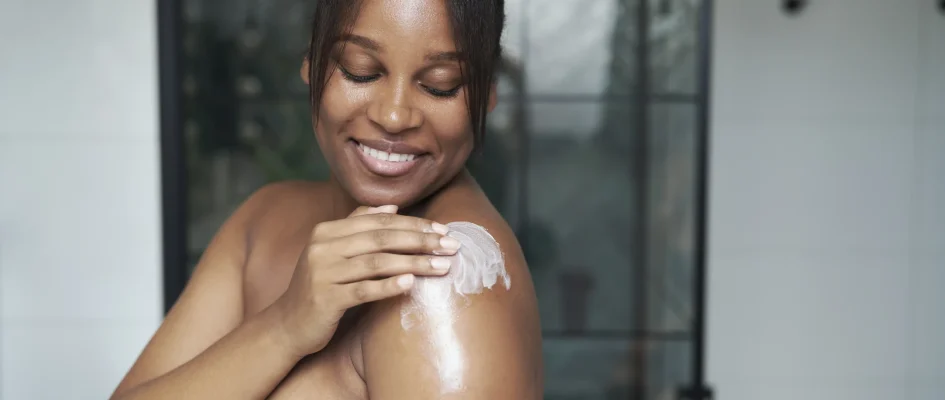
(794, 7)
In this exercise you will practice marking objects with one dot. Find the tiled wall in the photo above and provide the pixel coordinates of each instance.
(79, 194)
(827, 231)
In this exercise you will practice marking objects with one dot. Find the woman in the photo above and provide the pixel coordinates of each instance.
(301, 292)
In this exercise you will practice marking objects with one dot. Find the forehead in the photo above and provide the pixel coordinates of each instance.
(408, 22)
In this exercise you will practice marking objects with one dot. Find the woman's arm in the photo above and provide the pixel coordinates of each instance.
(204, 349)
(247, 363)
(477, 346)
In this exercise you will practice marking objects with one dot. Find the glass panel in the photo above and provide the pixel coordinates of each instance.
(272, 141)
(673, 45)
(672, 199)
(513, 37)
(495, 164)
(246, 116)
(581, 220)
(588, 48)
(573, 46)
(605, 369)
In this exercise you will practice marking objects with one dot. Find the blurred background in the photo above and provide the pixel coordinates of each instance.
(740, 197)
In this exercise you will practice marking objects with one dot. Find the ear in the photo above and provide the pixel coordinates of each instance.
(303, 71)
(493, 96)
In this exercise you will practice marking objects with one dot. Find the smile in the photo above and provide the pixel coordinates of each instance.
(386, 162)
(385, 156)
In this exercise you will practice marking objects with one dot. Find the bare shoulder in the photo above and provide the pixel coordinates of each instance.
(281, 210)
(212, 304)
(276, 200)
(478, 341)
(469, 204)
(279, 227)
(469, 207)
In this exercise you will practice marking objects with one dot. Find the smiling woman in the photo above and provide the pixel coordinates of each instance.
(410, 74)
(301, 292)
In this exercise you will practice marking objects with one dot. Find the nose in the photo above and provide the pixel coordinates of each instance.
(393, 111)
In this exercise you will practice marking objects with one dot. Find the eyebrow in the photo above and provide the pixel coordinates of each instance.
(442, 56)
(362, 41)
(374, 46)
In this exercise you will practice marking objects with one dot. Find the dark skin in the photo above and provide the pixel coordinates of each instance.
(298, 295)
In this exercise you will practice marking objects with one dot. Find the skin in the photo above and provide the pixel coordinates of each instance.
(227, 336)
(396, 41)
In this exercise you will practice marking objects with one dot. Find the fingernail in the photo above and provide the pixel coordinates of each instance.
(386, 209)
(440, 263)
(405, 281)
(448, 243)
(440, 228)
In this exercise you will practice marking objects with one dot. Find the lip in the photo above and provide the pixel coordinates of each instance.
(387, 168)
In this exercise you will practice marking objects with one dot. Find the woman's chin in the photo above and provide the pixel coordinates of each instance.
(375, 196)
(374, 190)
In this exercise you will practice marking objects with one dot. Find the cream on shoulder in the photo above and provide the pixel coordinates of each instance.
(435, 302)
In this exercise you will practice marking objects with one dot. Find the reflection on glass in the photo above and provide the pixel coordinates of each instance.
(673, 44)
(568, 48)
(670, 232)
(494, 164)
(580, 222)
(591, 369)
(246, 116)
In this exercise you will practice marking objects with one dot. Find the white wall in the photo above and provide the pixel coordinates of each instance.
(827, 224)
(79, 194)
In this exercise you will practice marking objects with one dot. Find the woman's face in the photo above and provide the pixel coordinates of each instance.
(393, 123)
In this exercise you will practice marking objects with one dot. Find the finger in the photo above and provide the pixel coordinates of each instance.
(336, 228)
(383, 265)
(367, 291)
(364, 210)
(369, 222)
(394, 241)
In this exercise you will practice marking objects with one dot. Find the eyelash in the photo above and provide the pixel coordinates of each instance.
(442, 93)
(371, 78)
(358, 78)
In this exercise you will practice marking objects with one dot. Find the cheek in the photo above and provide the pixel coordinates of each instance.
(340, 104)
(451, 123)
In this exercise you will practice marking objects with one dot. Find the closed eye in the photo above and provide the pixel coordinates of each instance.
(442, 93)
(358, 78)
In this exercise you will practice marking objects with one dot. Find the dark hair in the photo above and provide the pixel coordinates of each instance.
(477, 30)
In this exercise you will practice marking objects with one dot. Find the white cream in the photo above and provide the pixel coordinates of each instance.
(435, 302)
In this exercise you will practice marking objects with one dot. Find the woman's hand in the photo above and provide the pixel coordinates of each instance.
(372, 254)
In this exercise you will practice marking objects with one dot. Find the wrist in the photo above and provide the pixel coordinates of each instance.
(274, 320)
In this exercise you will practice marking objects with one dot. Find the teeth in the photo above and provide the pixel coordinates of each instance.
(385, 156)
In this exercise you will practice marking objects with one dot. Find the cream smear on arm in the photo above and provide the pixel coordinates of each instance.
(435, 302)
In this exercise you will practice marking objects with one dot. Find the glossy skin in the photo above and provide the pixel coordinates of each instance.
(226, 336)
(397, 82)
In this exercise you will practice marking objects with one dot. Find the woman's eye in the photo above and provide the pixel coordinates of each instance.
(358, 78)
(442, 93)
